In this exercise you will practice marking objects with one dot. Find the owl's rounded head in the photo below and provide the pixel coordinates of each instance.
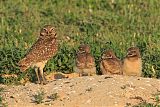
(48, 31)
(109, 54)
(133, 52)
(84, 48)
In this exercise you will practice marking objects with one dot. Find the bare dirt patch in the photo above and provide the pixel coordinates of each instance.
(93, 91)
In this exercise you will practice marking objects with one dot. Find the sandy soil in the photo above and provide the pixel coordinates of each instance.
(93, 91)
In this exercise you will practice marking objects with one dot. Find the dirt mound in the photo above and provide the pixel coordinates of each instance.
(93, 91)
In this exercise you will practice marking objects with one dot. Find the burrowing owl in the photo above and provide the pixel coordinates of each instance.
(132, 63)
(85, 62)
(41, 51)
(110, 64)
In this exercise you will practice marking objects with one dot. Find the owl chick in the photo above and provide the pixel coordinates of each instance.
(110, 64)
(41, 51)
(85, 62)
(132, 63)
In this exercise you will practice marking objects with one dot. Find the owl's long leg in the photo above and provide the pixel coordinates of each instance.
(93, 71)
(36, 70)
(80, 74)
(90, 72)
(42, 75)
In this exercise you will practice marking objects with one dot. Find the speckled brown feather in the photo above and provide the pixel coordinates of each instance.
(80, 60)
(90, 61)
(111, 66)
(84, 60)
(42, 50)
(39, 52)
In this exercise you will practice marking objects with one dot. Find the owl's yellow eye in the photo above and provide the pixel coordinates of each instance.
(44, 29)
(52, 29)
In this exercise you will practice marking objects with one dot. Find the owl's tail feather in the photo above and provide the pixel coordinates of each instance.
(23, 64)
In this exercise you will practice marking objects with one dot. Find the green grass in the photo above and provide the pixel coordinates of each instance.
(103, 24)
(144, 103)
(155, 98)
(39, 97)
(53, 96)
(2, 100)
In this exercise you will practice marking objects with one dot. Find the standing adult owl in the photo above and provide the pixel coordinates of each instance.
(41, 51)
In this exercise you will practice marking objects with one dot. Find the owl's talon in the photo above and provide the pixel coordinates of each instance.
(44, 82)
(38, 82)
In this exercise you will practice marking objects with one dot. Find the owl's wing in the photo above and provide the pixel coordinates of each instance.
(90, 61)
(111, 66)
(118, 65)
(42, 50)
(103, 71)
(80, 60)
